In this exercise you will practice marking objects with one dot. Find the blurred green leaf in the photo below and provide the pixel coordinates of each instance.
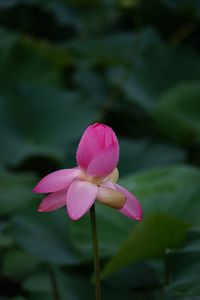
(154, 72)
(152, 237)
(97, 89)
(129, 3)
(67, 284)
(112, 231)
(45, 236)
(145, 274)
(171, 190)
(41, 296)
(39, 281)
(20, 63)
(18, 298)
(55, 55)
(159, 191)
(18, 264)
(5, 241)
(10, 3)
(41, 120)
(184, 7)
(178, 113)
(113, 49)
(15, 191)
(183, 267)
(143, 154)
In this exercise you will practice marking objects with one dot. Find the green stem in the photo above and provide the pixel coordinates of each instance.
(55, 291)
(95, 253)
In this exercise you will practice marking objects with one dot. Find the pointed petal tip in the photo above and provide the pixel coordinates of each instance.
(139, 219)
(74, 218)
(37, 190)
(132, 208)
(34, 190)
(53, 201)
(56, 181)
(39, 209)
(137, 215)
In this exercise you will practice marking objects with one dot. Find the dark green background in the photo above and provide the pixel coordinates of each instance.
(134, 65)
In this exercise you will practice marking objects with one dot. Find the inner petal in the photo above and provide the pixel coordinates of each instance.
(110, 197)
(114, 176)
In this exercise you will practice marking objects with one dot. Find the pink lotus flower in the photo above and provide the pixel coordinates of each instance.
(93, 179)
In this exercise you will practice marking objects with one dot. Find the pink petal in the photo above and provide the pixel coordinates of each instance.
(80, 197)
(132, 207)
(56, 181)
(88, 146)
(110, 137)
(104, 161)
(53, 201)
(100, 131)
(105, 134)
(95, 138)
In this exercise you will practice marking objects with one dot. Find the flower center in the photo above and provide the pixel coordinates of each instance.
(98, 180)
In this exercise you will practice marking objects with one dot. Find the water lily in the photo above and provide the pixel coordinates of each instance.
(93, 179)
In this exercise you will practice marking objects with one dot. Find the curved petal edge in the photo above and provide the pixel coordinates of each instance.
(132, 207)
(53, 201)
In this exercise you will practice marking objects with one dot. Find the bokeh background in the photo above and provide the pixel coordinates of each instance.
(134, 65)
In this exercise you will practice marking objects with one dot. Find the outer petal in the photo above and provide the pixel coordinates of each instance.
(111, 197)
(132, 207)
(88, 146)
(80, 197)
(104, 161)
(110, 137)
(53, 201)
(100, 131)
(56, 181)
(105, 134)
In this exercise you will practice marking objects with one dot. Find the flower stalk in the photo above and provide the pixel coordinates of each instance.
(95, 253)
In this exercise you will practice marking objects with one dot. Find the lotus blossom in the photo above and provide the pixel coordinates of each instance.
(94, 179)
